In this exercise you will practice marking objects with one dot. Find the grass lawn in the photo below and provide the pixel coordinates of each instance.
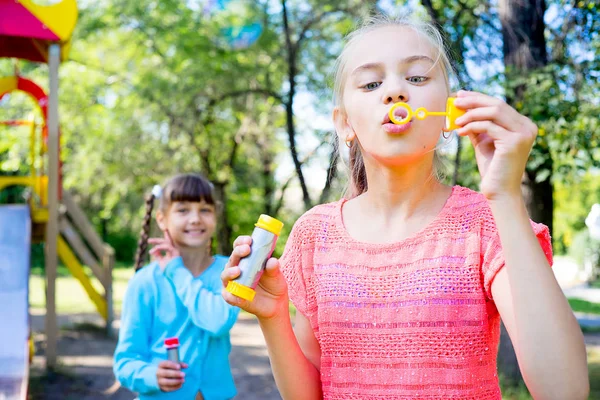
(70, 296)
(594, 371)
(584, 306)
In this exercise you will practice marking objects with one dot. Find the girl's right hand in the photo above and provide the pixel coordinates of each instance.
(169, 375)
(271, 292)
(164, 250)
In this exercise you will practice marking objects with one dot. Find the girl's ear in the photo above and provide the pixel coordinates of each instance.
(342, 126)
(161, 220)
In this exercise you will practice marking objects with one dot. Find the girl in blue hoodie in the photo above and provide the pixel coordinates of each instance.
(178, 295)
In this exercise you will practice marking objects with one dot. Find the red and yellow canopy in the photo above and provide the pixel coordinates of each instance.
(27, 28)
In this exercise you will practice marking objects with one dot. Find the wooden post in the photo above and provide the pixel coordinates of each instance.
(52, 225)
(109, 261)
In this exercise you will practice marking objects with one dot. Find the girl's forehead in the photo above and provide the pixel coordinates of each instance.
(388, 44)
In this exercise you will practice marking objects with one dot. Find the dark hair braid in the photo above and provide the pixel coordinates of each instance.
(140, 254)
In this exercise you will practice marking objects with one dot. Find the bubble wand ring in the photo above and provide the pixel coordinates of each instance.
(451, 114)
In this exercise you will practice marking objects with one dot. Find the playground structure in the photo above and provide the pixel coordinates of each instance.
(42, 34)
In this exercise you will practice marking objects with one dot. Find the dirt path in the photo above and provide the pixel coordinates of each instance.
(85, 371)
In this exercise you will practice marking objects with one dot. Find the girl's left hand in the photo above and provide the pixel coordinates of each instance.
(164, 250)
(502, 139)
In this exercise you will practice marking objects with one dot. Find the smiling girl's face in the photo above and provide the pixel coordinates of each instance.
(191, 224)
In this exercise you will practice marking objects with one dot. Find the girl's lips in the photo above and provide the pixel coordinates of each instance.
(399, 113)
(394, 129)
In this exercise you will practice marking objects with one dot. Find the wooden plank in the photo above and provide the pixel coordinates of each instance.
(83, 225)
(82, 251)
(109, 262)
(52, 225)
(75, 268)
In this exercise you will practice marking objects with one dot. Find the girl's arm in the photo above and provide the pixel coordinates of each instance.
(132, 365)
(293, 356)
(307, 340)
(543, 329)
(207, 309)
(546, 336)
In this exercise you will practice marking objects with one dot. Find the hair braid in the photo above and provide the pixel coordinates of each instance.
(140, 254)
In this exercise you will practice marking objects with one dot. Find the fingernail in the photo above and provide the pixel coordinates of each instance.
(182, 375)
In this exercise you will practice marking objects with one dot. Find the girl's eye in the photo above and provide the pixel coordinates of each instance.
(206, 210)
(417, 79)
(182, 210)
(372, 85)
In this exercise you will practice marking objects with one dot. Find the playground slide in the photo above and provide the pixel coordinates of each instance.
(15, 236)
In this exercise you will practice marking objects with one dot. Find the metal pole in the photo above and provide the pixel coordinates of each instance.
(52, 224)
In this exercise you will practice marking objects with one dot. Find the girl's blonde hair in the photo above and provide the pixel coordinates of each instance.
(357, 174)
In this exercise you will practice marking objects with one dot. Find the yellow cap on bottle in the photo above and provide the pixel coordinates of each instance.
(269, 224)
(240, 290)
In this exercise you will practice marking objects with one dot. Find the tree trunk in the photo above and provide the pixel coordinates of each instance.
(268, 183)
(524, 50)
(223, 226)
(538, 197)
(292, 57)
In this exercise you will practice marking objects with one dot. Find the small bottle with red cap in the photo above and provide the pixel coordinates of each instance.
(172, 346)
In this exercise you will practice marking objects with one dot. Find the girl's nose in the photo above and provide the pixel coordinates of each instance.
(395, 92)
(195, 217)
(395, 99)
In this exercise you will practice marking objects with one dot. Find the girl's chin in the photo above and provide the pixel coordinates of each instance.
(193, 244)
(196, 244)
(400, 158)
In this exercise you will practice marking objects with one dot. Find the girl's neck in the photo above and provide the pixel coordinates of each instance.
(196, 260)
(399, 203)
(400, 191)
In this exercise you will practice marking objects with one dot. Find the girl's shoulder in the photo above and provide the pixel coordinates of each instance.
(321, 212)
(141, 287)
(311, 222)
(211, 277)
(465, 197)
(471, 208)
(468, 203)
(144, 276)
(219, 261)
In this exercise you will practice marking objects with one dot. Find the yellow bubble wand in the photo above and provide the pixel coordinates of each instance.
(451, 114)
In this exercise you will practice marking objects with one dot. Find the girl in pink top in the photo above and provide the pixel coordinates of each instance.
(400, 287)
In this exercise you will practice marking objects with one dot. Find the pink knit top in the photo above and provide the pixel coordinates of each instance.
(408, 320)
